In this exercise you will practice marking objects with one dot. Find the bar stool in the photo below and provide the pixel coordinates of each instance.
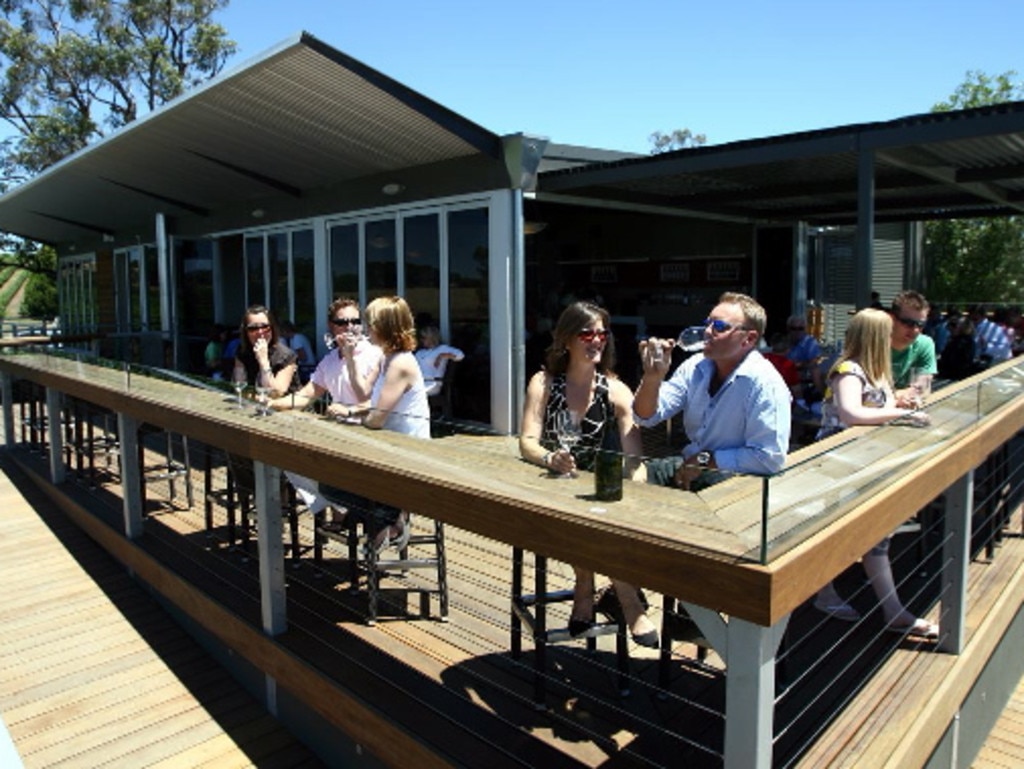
(239, 495)
(531, 610)
(376, 565)
(170, 468)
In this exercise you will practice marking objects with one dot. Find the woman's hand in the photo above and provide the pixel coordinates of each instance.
(561, 462)
(261, 350)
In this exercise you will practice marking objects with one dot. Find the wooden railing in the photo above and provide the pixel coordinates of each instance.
(703, 549)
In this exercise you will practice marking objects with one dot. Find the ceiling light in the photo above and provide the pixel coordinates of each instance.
(392, 188)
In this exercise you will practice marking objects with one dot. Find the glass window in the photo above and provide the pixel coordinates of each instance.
(76, 288)
(280, 302)
(152, 298)
(422, 259)
(194, 264)
(345, 261)
(470, 324)
(303, 291)
(135, 269)
(381, 262)
(255, 284)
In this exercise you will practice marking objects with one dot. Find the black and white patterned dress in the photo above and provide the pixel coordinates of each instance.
(592, 423)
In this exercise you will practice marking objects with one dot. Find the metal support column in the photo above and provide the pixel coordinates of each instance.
(56, 437)
(956, 558)
(131, 475)
(864, 255)
(7, 392)
(270, 546)
(750, 693)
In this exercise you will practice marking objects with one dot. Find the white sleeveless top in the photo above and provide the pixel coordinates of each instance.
(411, 416)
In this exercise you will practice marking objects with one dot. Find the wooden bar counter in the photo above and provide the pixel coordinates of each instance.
(832, 504)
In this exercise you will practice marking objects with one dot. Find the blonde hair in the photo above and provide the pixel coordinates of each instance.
(754, 316)
(868, 342)
(391, 318)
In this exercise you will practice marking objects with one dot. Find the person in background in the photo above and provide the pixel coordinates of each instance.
(876, 301)
(859, 392)
(805, 352)
(912, 353)
(347, 374)
(735, 404)
(214, 351)
(299, 342)
(579, 376)
(938, 328)
(262, 358)
(433, 357)
(959, 359)
(776, 355)
(991, 339)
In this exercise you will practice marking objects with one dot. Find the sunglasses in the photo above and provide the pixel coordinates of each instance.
(346, 322)
(911, 322)
(721, 326)
(257, 326)
(589, 335)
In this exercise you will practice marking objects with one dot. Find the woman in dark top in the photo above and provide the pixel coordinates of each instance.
(262, 358)
(578, 376)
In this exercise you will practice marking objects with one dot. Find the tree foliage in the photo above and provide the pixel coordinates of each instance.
(74, 70)
(680, 138)
(977, 260)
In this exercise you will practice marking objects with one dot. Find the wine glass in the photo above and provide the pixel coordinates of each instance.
(568, 431)
(691, 339)
(262, 398)
(921, 381)
(239, 385)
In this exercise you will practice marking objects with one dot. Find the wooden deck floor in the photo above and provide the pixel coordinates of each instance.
(1004, 748)
(456, 686)
(94, 673)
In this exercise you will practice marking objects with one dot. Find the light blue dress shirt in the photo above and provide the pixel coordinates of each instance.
(745, 424)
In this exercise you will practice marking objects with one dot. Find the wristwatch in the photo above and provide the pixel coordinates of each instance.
(703, 458)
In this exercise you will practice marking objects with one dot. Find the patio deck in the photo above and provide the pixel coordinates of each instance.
(96, 673)
(455, 686)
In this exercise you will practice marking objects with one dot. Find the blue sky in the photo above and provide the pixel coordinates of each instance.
(607, 74)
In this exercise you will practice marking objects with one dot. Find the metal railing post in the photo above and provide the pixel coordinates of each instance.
(956, 558)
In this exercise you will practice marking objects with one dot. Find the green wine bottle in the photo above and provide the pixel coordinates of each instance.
(608, 465)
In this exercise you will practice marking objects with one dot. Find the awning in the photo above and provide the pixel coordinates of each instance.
(936, 165)
(299, 118)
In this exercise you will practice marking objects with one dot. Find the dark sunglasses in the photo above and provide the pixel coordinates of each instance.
(911, 322)
(257, 326)
(589, 335)
(721, 326)
(346, 322)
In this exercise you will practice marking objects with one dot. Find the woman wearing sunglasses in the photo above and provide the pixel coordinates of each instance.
(263, 360)
(578, 376)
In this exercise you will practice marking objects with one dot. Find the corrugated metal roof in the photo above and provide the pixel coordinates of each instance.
(935, 165)
(299, 118)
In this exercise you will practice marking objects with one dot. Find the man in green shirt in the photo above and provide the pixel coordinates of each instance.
(912, 351)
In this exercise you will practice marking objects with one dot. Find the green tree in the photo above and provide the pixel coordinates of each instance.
(678, 139)
(75, 69)
(977, 260)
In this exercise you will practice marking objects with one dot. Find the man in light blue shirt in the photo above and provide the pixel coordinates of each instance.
(992, 342)
(735, 404)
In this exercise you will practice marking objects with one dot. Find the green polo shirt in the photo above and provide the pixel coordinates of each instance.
(919, 354)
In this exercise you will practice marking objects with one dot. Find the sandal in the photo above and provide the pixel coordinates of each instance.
(919, 628)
